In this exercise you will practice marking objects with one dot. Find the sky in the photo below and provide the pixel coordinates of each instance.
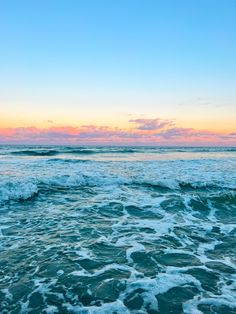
(155, 72)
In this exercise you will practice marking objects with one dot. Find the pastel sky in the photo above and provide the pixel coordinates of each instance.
(155, 72)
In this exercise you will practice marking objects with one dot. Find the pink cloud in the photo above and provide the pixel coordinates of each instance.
(151, 132)
(151, 124)
(183, 132)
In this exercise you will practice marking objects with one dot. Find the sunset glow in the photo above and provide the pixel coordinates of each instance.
(94, 70)
(144, 132)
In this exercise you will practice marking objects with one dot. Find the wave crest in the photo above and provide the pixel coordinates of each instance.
(17, 191)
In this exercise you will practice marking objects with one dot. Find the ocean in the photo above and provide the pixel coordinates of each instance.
(117, 230)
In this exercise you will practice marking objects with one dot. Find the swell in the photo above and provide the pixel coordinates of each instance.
(80, 151)
(30, 151)
(35, 153)
(200, 149)
(67, 160)
(87, 151)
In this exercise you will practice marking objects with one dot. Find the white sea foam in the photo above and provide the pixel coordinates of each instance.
(17, 190)
(106, 308)
(51, 309)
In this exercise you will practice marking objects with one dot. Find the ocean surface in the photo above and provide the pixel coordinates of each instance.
(117, 230)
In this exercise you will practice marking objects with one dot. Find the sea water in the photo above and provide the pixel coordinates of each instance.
(117, 230)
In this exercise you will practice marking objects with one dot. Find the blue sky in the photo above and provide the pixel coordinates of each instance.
(78, 62)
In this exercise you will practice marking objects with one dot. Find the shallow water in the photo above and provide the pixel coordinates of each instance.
(117, 230)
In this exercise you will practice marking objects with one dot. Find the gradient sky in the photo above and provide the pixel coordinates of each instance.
(99, 67)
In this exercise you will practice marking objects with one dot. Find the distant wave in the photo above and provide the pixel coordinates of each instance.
(67, 160)
(203, 149)
(118, 150)
(52, 152)
(82, 151)
(40, 152)
(99, 151)
(79, 151)
(35, 153)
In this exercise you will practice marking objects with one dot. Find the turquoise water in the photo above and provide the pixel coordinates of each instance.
(117, 230)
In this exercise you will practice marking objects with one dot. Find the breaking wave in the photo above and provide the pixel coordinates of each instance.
(24, 189)
(17, 190)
